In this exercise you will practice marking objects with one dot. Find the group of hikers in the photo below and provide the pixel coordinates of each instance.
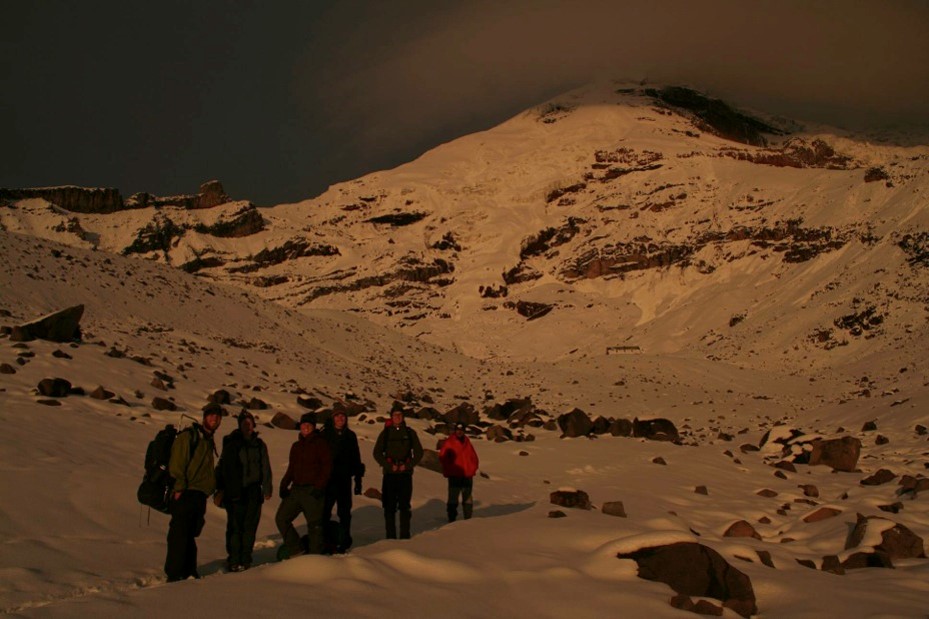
(321, 469)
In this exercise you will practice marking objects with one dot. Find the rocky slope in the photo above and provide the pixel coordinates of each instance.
(654, 220)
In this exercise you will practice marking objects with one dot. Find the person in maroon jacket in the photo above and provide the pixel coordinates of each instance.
(303, 489)
(459, 465)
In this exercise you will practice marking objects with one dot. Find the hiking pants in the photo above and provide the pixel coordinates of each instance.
(187, 520)
(460, 486)
(397, 492)
(339, 495)
(243, 515)
(309, 500)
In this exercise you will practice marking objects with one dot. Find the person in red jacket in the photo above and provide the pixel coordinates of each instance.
(459, 465)
(303, 489)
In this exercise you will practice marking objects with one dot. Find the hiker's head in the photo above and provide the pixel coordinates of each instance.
(212, 416)
(459, 430)
(307, 424)
(246, 423)
(396, 417)
(339, 419)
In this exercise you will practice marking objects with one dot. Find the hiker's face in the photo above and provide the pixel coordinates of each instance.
(247, 426)
(396, 418)
(339, 421)
(307, 429)
(211, 422)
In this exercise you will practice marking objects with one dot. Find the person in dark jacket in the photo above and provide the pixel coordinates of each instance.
(398, 451)
(243, 483)
(346, 464)
(192, 467)
(303, 489)
(459, 465)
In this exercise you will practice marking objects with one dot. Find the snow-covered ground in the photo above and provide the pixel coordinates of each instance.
(75, 542)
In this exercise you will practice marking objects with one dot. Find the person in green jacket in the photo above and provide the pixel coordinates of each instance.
(192, 467)
(398, 451)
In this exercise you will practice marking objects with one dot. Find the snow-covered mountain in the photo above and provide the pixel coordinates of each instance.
(626, 251)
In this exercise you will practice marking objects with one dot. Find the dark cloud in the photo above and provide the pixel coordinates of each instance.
(279, 101)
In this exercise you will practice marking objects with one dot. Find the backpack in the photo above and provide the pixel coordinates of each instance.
(157, 483)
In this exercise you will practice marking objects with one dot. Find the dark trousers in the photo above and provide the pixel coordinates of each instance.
(242, 518)
(339, 495)
(396, 492)
(309, 501)
(460, 486)
(187, 520)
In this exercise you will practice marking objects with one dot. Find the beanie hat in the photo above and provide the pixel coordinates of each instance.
(308, 418)
(213, 409)
(246, 415)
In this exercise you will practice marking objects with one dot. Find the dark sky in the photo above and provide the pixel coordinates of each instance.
(278, 100)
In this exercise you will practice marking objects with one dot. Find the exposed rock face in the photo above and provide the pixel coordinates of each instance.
(694, 569)
(71, 198)
(840, 453)
(61, 326)
(211, 194)
(244, 222)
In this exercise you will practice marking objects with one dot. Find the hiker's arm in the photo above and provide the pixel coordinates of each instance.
(267, 483)
(417, 449)
(177, 465)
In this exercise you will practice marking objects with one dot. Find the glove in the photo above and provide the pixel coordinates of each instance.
(284, 492)
(357, 486)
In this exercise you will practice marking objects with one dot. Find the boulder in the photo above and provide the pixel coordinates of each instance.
(601, 425)
(101, 394)
(256, 405)
(655, 429)
(60, 326)
(897, 541)
(220, 396)
(163, 404)
(311, 403)
(621, 427)
(54, 387)
(513, 406)
(614, 508)
(463, 413)
(498, 434)
(840, 453)
(882, 476)
(6, 368)
(431, 461)
(575, 499)
(697, 570)
(574, 424)
(823, 513)
(741, 528)
(858, 560)
(283, 421)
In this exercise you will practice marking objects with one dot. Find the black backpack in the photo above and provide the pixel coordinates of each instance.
(157, 483)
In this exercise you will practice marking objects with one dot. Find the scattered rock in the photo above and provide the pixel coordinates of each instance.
(284, 422)
(832, 564)
(893, 508)
(163, 404)
(694, 569)
(49, 402)
(498, 434)
(860, 560)
(655, 429)
(747, 448)
(256, 405)
(765, 557)
(614, 508)
(701, 490)
(659, 460)
(101, 394)
(54, 387)
(220, 396)
(741, 528)
(767, 493)
(897, 541)
(574, 424)
(6, 368)
(371, 493)
(430, 461)
(157, 383)
(881, 440)
(840, 453)
(869, 426)
(60, 354)
(882, 476)
(784, 465)
(809, 490)
(61, 326)
(823, 513)
(575, 499)
(621, 427)
(557, 513)
(311, 403)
